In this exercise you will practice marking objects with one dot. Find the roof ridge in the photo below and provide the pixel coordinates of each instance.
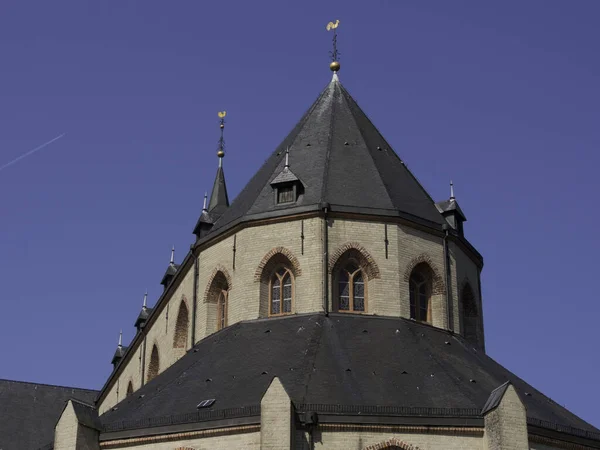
(331, 86)
(47, 384)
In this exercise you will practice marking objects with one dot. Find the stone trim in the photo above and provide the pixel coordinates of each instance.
(367, 262)
(216, 270)
(296, 270)
(438, 281)
(472, 431)
(392, 442)
(179, 436)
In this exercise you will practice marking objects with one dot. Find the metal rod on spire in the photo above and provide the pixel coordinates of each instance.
(173, 255)
(145, 299)
(451, 190)
(121, 338)
(205, 197)
(287, 158)
(221, 150)
(334, 54)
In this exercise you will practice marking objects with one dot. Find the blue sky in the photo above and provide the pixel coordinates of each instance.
(502, 98)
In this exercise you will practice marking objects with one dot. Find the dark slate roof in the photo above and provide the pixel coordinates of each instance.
(219, 200)
(119, 353)
(495, 398)
(87, 415)
(349, 360)
(285, 176)
(169, 273)
(29, 406)
(143, 316)
(449, 206)
(343, 160)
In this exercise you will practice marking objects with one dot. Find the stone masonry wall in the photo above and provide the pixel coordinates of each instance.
(250, 441)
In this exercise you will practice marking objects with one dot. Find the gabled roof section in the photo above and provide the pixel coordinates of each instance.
(343, 160)
(495, 398)
(25, 406)
(447, 206)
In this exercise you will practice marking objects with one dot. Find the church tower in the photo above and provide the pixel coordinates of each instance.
(333, 304)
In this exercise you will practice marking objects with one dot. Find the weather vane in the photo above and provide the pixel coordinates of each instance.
(221, 151)
(335, 65)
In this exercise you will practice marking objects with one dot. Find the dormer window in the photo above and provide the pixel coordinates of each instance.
(286, 186)
(286, 194)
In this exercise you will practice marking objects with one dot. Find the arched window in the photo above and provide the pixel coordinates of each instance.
(420, 286)
(470, 314)
(222, 309)
(154, 365)
(181, 327)
(280, 292)
(351, 288)
(129, 389)
(217, 298)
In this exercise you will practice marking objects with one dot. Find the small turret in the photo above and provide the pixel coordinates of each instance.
(452, 212)
(171, 270)
(140, 323)
(119, 352)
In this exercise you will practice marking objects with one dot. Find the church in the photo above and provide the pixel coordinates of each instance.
(333, 304)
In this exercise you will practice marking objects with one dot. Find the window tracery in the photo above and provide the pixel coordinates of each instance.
(420, 287)
(281, 292)
(351, 288)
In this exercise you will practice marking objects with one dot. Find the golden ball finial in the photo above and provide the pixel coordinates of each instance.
(220, 153)
(334, 66)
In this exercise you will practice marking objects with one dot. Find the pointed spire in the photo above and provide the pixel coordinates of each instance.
(144, 304)
(172, 255)
(120, 338)
(451, 190)
(204, 204)
(218, 197)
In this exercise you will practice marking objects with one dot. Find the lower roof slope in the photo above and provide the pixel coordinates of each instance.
(29, 412)
(340, 359)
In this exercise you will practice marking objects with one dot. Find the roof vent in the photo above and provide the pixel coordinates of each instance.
(447, 342)
(404, 372)
(472, 380)
(348, 370)
(206, 403)
(267, 331)
(365, 331)
(528, 394)
(265, 373)
(208, 380)
(141, 395)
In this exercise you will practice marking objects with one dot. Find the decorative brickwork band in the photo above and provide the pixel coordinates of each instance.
(438, 281)
(274, 252)
(364, 259)
(221, 278)
(391, 443)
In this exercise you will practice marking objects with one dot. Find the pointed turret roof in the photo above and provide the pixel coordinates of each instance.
(342, 160)
(219, 201)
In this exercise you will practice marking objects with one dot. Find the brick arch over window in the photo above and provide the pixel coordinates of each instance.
(363, 257)
(154, 364)
(277, 273)
(470, 312)
(275, 255)
(216, 298)
(392, 443)
(437, 280)
(222, 277)
(182, 325)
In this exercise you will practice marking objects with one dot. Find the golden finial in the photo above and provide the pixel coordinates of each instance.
(221, 151)
(335, 65)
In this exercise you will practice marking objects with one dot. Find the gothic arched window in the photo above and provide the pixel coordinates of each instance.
(154, 365)
(280, 292)
(181, 327)
(351, 288)
(222, 310)
(420, 286)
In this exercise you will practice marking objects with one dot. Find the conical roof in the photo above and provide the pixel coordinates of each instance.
(341, 159)
(219, 200)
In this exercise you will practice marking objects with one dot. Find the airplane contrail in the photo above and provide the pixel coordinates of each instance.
(30, 152)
